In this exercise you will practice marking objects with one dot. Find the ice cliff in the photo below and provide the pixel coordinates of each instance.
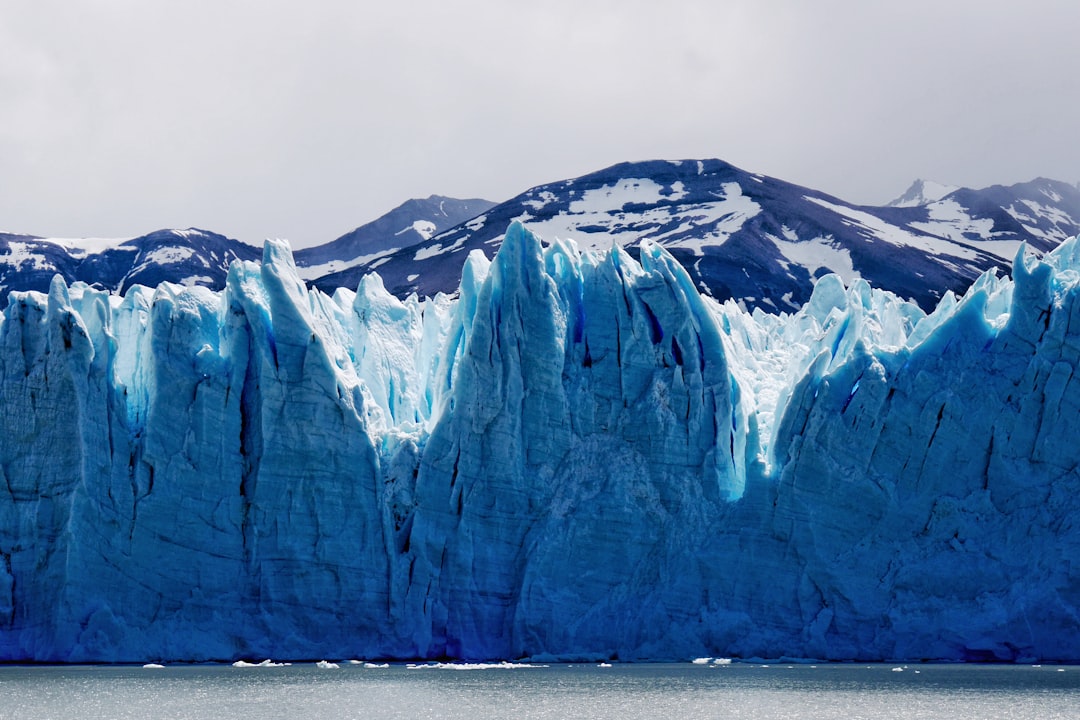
(577, 456)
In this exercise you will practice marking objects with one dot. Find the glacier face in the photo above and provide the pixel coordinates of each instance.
(578, 456)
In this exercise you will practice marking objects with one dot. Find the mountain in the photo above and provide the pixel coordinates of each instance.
(406, 225)
(578, 456)
(740, 235)
(185, 257)
(753, 238)
(199, 257)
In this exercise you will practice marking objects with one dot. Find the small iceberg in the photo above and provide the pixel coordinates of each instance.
(325, 665)
(264, 663)
(153, 666)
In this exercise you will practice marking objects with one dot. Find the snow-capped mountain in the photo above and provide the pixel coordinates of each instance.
(408, 224)
(754, 238)
(185, 257)
(740, 235)
(199, 257)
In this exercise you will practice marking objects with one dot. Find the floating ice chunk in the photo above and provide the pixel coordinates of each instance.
(264, 663)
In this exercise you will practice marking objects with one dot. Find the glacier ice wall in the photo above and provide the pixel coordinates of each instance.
(577, 456)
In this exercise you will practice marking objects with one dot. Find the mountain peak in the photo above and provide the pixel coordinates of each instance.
(412, 222)
(922, 192)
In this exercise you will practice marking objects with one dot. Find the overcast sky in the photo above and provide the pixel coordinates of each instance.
(303, 120)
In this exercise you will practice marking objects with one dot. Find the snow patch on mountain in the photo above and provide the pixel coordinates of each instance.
(1056, 216)
(424, 228)
(637, 207)
(169, 255)
(22, 256)
(542, 199)
(873, 227)
(816, 255)
(614, 198)
(947, 218)
(82, 247)
(315, 271)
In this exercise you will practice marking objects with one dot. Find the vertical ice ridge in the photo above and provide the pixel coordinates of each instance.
(950, 436)
(219, 466)
(570, 369)
(697, 329)
(389, 334)
(55, 429)
(483, 468)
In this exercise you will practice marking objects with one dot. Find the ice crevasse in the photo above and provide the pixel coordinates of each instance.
(577, 456)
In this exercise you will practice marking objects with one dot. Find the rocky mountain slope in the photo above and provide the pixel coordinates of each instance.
(753, 238)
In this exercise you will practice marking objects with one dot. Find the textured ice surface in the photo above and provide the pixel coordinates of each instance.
(576, 457)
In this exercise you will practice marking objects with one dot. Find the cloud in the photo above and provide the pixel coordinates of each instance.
(275, 119)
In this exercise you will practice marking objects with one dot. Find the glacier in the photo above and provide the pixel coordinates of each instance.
(576, 456)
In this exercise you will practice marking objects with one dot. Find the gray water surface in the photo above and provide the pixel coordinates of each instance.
(806, 692)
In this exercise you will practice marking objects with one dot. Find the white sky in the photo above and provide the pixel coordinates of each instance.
(259, 118)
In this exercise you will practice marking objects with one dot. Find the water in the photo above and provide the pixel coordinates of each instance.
(625, 692)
